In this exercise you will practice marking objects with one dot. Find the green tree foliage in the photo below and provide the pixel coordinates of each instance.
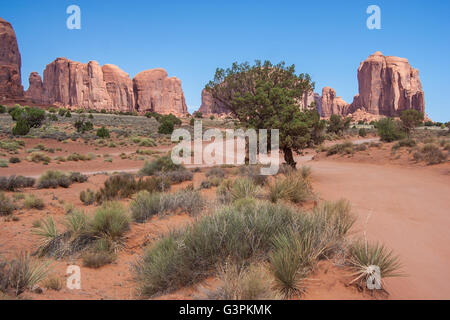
(198, 115)
(267, 96)
(21, 128)
(337, 124)
(389, 130)
(82, 125)
(103, 133)
(166, 127)
(411, 119)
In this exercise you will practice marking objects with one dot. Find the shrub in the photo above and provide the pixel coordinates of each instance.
(21, 128)
(53, 283)
(78, 177)
(404, 143)
(3, 109)
(53, 179)
(125, 185)
(341, 148)
(82, 126)
(32, 202)
(253, 173)
(97, 259)
(87, 197)
(235, 233)
(166, 127)
(68, 114)
(62, 112)
(14, 160)
(243, 188)
(3, 163)
(160, 164)
(192, 122)
(432, 154)
(24, 272)
(178, 176)
(7, 207)
(144, 206)
(389, 130)
(103, 132)
(294, 187)
(364, 255)
(38, 156)
(12, 183)
(362, 132)
(110, 220)
(216, 172)
(198, 115)
(244, 283)
(34, 117)
(189, 201)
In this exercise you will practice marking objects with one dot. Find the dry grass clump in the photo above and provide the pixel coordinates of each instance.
(54, 179)
(38, 156)
(252, 282)
(87, 197)
(53, 283)
(97, 259)
(253, 172)
(32, 202)
(146, 204)
(341, 148)
(216, 172)
(177, 176)
(295, 187)
(432, 154)
(125, 185)
(240, 188)
(7, 206)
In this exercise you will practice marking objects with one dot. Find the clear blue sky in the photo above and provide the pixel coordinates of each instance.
(190, 39)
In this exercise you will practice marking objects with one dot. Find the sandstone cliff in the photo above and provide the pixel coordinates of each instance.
(155, 91)
(10, 63)
(387, 86)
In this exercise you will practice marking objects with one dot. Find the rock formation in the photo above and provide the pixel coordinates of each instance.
(331, 104)
(36, 92)
(211, 105)
(10, 63)
(155, 91)
(387, 86)
(119, 87)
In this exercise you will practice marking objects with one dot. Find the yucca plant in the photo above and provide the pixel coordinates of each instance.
(48, 232)
(244, 188)
(364, 256)
(24, 272)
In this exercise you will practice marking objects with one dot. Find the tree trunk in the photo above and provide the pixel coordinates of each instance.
(289, 158)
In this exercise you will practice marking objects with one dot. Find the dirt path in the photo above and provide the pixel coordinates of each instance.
(408, 211)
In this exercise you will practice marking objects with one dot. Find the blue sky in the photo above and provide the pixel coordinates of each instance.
(190, 39)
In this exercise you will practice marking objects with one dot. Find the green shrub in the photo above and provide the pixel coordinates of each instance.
(32, 202)
(21, 128)
(198, 115)
(362, 132)
(111, 220)
(3, 109)
(62, 112)
(216, 172)
(235, 233)
(3, 163)
(389, 130)
(68, 114)
(177, 176)
(144, 206)
(103, 133)
(294, 187)
(166, 127)
(14, 160)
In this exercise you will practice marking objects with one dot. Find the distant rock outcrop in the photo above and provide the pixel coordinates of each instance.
(36, 92)
(331, 104)
(10, 63)
(155, 91)
(119, 87)
(210, 105)
(387, 86)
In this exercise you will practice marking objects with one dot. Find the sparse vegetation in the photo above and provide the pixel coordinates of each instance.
(13, 183)
(7, 207)
(87, 197)
(32, 202)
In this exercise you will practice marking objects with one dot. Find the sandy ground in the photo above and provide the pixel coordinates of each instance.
(402, 205)
(407, 209)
